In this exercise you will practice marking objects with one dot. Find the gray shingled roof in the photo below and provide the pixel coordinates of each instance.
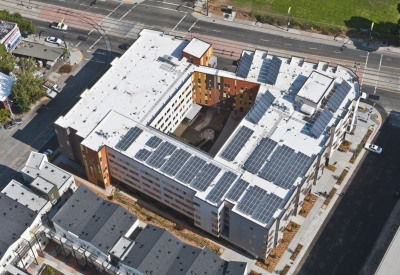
(93, 219)
(38, 51)
(15, 218)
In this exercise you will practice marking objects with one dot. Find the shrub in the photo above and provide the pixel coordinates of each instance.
(179, 227)
(280, 22)
(149, 218)
(304, 26)
(66, 69)
(4, 114)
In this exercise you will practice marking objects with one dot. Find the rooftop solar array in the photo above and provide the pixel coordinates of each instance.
(190, 169)
(206, 176)
(260, 107)
(237, 143)
(175, 162)
(153, 142)
(294, 169)
(251, 200)
(221, 187)
(340, 94)
(244, 65)
(267, 208)
(143, 154)
(237, 190)
(256, 160)
(273, 70)
(275, 166)
(128, 138)
(158, 158)
(322, 121)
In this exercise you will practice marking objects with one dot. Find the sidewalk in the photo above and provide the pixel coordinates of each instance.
(313, 222)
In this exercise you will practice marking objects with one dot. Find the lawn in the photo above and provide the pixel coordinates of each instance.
(344, 13)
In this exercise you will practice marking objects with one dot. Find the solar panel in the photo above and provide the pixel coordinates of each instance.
(340, 94)
(244, 65)
(206, 176)
(143, 154)
(237, 143)
(322, 121)
(221, 187)
(254, 163)
(158, 158)
(251, 200)
(175, 162)
(190, 169)
(267, 208)
(237, 190)
(273, 70)
(260, 107)
(128, 138)
(275, 166)
(294, 169)
(153, 142)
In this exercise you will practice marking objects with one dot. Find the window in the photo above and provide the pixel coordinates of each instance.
(196, 204)
(251, 228)
(214, 214)
(227, 86)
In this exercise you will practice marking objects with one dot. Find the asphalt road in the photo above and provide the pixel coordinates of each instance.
(357, 219)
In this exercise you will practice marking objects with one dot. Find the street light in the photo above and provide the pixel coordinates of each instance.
(370, 33)
(9, 107)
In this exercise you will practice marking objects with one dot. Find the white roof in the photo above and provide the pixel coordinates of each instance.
(191, 114)
(136, 82)
(197, 47)
(315, 86)
(6, 83)
(24, 196)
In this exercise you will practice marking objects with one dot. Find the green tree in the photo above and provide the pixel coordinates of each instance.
(7, 62)
(4, 114)
(23, 24)
(27, 88)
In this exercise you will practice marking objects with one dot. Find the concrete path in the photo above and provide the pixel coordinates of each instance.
(209, 114)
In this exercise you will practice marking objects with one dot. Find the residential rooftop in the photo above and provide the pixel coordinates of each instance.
(93, 219)
(38, 51)
(269, 152)
(5, 28)
(24, 196)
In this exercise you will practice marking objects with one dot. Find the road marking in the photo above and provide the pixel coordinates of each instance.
(379, 70)
(41, 27)
(288, 44)
(313, 49)
(179, 23)
(363, 56)
(78, 44)
(161, 8)
(98, 61)
(241, 35)
(216, 31)
(365, 67)
(337, 52)
(264, 40)
(394, 68)
(112, 11)
(388, 90)
(193, 25)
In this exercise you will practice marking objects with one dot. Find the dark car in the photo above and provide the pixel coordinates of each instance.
(13, 123)
(124, 46)
(397, 191)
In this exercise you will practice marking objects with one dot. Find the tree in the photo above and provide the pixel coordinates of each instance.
(7, 62)
(4, 114)
(27, 88)
(23, 24)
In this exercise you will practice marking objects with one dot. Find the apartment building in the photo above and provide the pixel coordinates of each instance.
(297, 114)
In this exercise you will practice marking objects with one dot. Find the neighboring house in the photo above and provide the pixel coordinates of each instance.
(21, 214)
(108, 237)
(6, 84)
(39, 52)
(47, 179)
(297, 113)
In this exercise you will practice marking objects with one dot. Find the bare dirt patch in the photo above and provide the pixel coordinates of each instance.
(308, 204)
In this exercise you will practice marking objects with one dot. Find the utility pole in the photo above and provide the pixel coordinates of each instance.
(65, 43)
(207, 7)
(288, 18)
(370, 33)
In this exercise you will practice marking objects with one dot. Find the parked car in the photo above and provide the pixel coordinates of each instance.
(57, 88)
(58, 26)
(397, 191)
(373, 148)
(13, 123)
(52, 39)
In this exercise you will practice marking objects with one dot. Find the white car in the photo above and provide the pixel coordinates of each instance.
(373, 148)
(53, 40)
